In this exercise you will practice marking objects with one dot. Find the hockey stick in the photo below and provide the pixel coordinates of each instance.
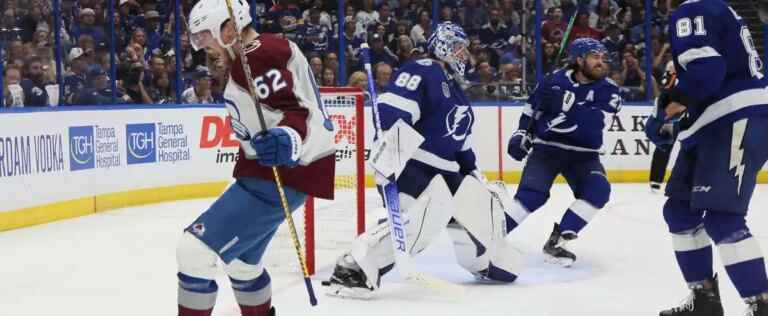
(397, 222)
(278, 181)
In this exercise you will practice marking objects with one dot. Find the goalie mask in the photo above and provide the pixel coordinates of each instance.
(449, 43)
(207, 17)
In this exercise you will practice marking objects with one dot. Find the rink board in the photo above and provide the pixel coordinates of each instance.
(66, 162)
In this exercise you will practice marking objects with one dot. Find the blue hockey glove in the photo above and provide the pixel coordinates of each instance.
(520, 145)
(278, 146)
(661, 132)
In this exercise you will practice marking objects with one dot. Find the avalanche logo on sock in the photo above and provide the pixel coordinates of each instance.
(141, 143)
(81, 148)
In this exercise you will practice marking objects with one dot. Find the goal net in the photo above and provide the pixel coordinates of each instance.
(327, 228)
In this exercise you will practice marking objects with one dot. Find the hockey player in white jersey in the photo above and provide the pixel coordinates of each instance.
(296, 137)
(440, 184)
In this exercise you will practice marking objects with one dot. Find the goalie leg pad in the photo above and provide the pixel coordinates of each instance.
(480, 230)
(499, 261)
(426, 216)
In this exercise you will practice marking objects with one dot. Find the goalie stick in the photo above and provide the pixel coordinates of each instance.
(403, 260)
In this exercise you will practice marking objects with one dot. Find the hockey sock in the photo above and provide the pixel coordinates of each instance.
(254, 296)
(745, 266)
(739, 252)
(515, 215)
(693, 252)
(196, 296)
(526, 202)
(577, 216)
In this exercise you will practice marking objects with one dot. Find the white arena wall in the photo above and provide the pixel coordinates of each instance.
(65, 162)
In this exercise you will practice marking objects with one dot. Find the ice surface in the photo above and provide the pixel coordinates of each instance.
(122, 262)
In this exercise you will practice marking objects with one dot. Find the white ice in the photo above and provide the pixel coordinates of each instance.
(122, 262)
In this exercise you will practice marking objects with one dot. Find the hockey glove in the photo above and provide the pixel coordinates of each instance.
(659, 131)
(279, 146)
(520, 145)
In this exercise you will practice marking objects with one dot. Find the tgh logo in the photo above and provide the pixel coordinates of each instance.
(81, 148)
(141, 143)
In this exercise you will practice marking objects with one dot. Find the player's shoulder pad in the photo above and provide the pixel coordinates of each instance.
(694, 8)
(425, 67)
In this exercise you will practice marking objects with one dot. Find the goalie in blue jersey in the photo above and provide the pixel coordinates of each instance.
(439, 185)
(562, 129)
(719, 111)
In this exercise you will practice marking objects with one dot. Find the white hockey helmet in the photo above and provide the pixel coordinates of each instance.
(206, 19)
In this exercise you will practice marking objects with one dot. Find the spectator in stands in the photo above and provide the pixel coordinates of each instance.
(11, 27)
(283, 17)
(421, 31)
(139, 43)
(161, 90)
(401, 29)
(325, 18)
(88, 26)
(153, 31)
(603, 15)
(74, 80)
(614, 42)
(511, 80)
(358, 79)
(32, 22)
(483, 88)
(632, 75)
(132, 74)
(495, 34)
(15, 50)
(366, 17)
(331, 61)
(352, 42)
(316, 64)
(12, 91)
(550, 56)
(200, 92)
(386, 19)
(581, 28)
(446, 15)
(404, 49)
(313, 36)
(329, 78)
(97, 91)
(33, 83)
(382, 76)
(379, 52)
(472, 16)
(554, 28)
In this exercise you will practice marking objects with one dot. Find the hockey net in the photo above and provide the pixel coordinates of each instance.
(327, 228)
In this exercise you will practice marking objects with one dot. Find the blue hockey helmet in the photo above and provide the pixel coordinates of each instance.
(446, 43)
(580, 47)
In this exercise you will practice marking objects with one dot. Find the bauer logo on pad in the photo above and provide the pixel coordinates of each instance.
(81, 151)
(141, 143)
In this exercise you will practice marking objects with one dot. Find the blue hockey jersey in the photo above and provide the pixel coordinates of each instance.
(426, 97)
(580, 127)
(718, 68)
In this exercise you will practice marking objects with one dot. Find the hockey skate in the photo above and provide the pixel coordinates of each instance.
(348, 280)
(701, 302)
(757, 306)
(555, 250)
(656, 188)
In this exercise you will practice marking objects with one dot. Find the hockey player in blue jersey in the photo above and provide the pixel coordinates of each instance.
(440, 185)
(562, 129)
(720, 108)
